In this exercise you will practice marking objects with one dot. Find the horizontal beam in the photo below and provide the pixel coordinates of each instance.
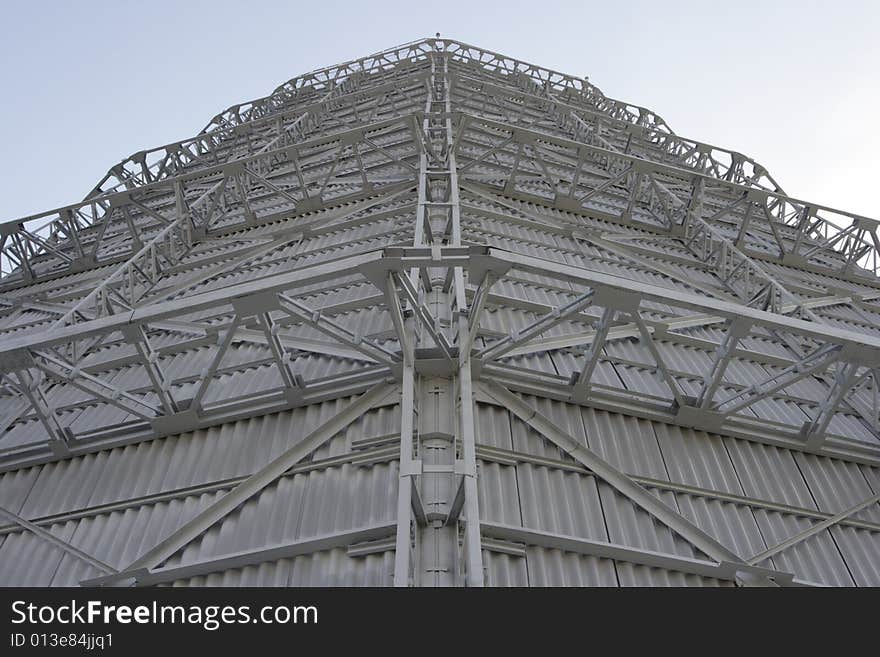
(606, 550)
(246, 558)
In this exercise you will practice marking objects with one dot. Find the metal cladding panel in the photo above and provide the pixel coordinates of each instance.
(15, 487)
(30, 432)
(732, 525)
(696, 458)
(626, 442)
(567, 362)
(541, 362)
(120, 537)
(23, 320)
(529, 441)
(28, 560)
(769, 473)
(548, 567)
(563, 415)
(244, 383)
(499, 494)
(851, 426)
(641, 380)
(637, 575)
(783, 411)
(859, 549)
(492, 426)
(764, 345)
(817, 559)
(115, 538)
(631, 526)
(837, 485)
(529, 292)
(298, 508)
(507, 570)
(744, 372)
(177, 463)
(850, 325)
(560, 502)
(552, 501)
(64, 485)
(205, 456)
(872, 476)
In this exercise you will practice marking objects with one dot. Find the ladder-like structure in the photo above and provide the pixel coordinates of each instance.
(439, 317)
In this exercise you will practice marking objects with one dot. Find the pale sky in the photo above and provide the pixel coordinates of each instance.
(793, 84)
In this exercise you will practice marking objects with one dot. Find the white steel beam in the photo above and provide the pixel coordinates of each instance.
(732, 572)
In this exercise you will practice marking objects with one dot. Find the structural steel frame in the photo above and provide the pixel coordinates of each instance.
(381, 137)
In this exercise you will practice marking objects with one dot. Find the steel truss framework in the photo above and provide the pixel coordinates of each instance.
(397, 215)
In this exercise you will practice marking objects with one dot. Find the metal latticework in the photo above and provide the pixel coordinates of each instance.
(439, 317)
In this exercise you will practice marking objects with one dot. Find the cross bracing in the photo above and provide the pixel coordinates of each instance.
(460, 262)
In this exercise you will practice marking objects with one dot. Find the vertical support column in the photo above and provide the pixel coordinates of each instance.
(403, 542)
(442, 473)
(472, 541)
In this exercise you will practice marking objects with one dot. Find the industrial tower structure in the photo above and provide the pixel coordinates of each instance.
(439, 317)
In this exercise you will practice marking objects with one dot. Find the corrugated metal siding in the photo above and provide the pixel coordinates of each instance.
(629, 525)
(859, 548)
(120, 537)
(534, 496)
(15, 486)
(566, 502)
(692, 457)
(27, 560)
(301, 507)
(837, 485)
(816, 559)
(627, 443)
(207, 455)
(769, 473)
(547, 567)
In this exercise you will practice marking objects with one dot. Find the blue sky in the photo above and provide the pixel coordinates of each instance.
(796, 85)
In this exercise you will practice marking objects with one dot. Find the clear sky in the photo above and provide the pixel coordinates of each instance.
(794, 84)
